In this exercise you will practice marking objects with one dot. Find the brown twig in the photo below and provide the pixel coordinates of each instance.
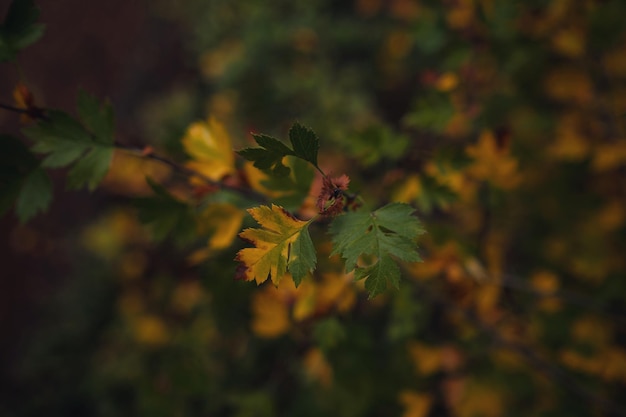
(39, 114)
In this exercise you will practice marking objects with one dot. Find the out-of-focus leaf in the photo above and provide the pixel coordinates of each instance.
(209, 146)
(89, 145)
(165, 215)
(35, 195)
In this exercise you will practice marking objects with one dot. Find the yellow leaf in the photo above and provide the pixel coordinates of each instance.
(415, 404)
(273, 243)
(426, 359)
(208, 144)
(150, 330)
(493, 162)
(317, 367)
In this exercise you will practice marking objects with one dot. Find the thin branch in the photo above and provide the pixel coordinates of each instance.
(39, 114)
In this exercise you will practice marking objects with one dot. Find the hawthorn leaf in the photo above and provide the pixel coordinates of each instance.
(269, 156)
(34, 196)
(390, 231)
(209, 146)
(88, 144)
(16, 161)
(305, 143)
(283, 244)
(96, 117)
(165, 215)
(91, 169)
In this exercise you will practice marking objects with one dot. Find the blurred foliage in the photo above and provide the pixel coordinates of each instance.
(503, 122)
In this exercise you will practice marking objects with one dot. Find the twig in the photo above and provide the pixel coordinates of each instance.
(39, 114)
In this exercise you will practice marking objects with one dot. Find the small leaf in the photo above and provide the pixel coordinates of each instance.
(165, 215)
(35, 195)
(96, 117)
(66, 142)
(283, 244)
(209, 146)
(389, 231)
(305, 143)
(91, 169)
(270, 156)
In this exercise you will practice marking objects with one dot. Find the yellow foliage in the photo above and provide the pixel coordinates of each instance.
(209, 145)
(493, 163)
(570, 144)
(569, 84)
(569, 42)
(426, 359)
(150, 330)
(593, 330)
(128, 172)
(271, 311)
(215, 62)
(408, 190)
(447, 82)
(317, 367)
(461, 14)
(269, 256)
(186, 296)
(415, 404)
(222, 221)
(609, 156)
(480, 400)
(615, 62)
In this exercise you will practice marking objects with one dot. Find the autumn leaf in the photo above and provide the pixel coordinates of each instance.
(386, 232)
(208, 144)
(284, 244)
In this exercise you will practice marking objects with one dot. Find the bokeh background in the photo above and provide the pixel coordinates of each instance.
(502, 122)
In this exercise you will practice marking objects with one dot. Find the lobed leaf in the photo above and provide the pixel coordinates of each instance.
(305, 143)
(66, 141)
(283, 244)
(35, 195)
(389, 231)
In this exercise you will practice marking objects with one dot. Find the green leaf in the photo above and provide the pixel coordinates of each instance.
(19, 28)
(305, 143)
(96, 117)
(294, 187)
(66, 141)
(165, 215)
(35, 195)
(269, 157)
(16, 162)
(91, 169)
(389, 231)
(302, 257)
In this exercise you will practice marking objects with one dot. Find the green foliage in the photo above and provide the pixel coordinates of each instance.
(164, 214)
(272, 151)
(66, 141)
(22, 181)
(389, 231)
(19, 29)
